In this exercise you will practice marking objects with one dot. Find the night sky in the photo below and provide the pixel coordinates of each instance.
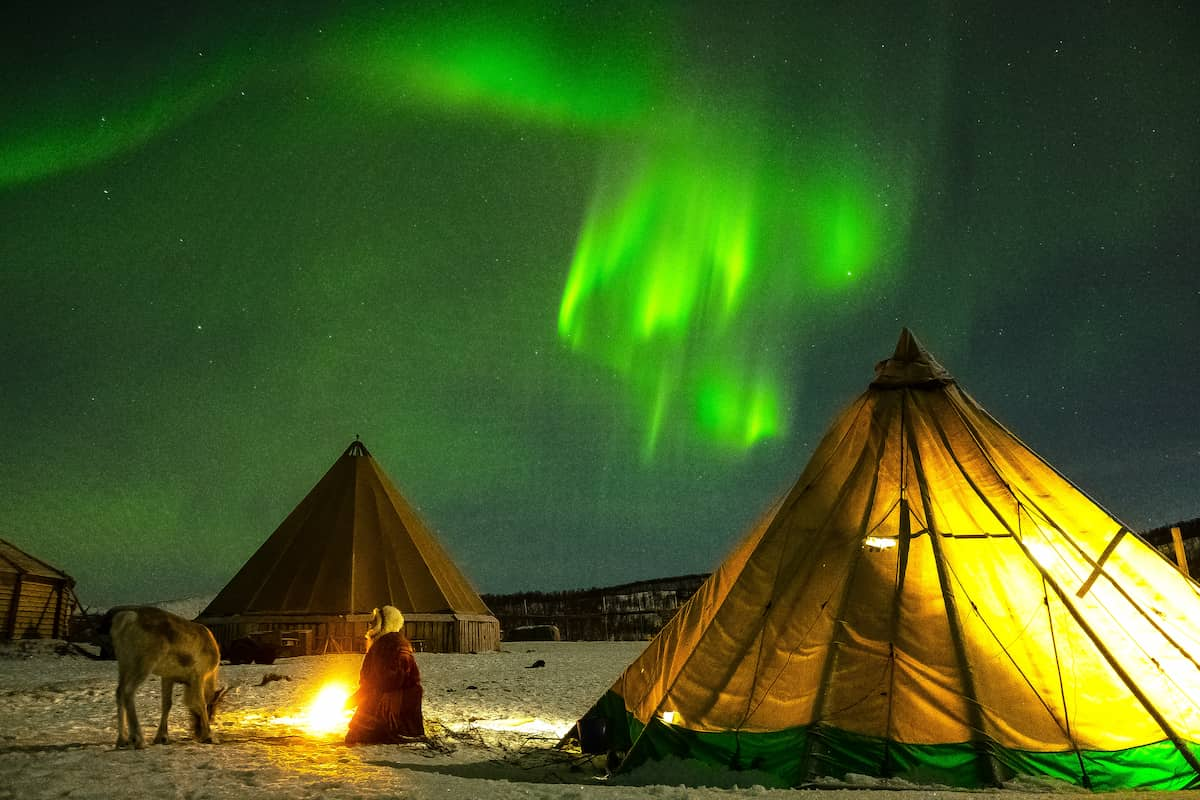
(589, 280)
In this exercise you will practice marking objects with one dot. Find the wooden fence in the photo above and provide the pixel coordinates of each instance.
(628, 612)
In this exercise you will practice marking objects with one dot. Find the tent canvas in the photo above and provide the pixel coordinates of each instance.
(931, 601)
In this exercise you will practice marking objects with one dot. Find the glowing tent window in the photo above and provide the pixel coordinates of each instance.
(877, 543)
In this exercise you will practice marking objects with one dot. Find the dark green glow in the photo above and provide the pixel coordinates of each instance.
(840, 226)
(93, 129)
(516, 62)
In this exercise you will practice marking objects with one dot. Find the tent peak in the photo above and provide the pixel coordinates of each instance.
(910, 365)
(357, 449)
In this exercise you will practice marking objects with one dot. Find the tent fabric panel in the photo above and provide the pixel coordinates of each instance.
(315, 576)
(1122, 636)
(772, 611)
(445, 586)
(858, 696)
(1166, 679)
(1039, 674)
(954, 764)
(645, 684)
(388, 566)
(1021, 657)
(955, 469)
(785, 675)
(930, 702)
(297, 581)
(768, 634)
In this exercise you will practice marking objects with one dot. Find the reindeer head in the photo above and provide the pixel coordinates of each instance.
(210, 708)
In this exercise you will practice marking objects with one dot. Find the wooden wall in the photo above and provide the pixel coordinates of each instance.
(628, 612)
(34, 607)
(431, 633)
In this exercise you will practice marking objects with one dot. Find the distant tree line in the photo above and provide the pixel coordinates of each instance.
(628, 612)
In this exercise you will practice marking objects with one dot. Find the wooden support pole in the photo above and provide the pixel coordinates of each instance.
(13, 609)
(1180, 555)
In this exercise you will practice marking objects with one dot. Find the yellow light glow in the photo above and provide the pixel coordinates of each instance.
(328, 712)
(879, 542)
(325, 715)
(1041, 552)
(526, 725)
(669, 717)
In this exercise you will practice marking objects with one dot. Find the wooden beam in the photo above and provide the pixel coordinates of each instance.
(13, 609)
(1099, 568)
(1180, 555)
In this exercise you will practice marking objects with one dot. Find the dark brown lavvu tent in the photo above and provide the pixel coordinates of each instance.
(36, 600)
(351, 545)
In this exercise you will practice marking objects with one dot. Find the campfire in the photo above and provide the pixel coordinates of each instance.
(325, 715)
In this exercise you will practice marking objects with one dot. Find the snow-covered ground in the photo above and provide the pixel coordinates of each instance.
(494, 719)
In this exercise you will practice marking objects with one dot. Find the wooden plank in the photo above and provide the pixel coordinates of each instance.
(1099, 568)
(11, 623)
(1180, 555)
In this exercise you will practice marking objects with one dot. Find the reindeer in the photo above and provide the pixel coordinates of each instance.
(386, 619)
(149, 640)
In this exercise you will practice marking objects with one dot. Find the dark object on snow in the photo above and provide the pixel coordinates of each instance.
(593, 734)
(536, 664)
(534, 633)
(273, 676)
(74, 649)
(248, 651)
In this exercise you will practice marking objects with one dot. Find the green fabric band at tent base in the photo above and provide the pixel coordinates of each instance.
(835, 754)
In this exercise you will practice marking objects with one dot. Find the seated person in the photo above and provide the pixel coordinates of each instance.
(388, 700)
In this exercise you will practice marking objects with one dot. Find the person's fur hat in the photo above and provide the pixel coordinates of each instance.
(385, 619)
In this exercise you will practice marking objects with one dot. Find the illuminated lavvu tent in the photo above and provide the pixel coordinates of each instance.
(931, 601)
(351, 545)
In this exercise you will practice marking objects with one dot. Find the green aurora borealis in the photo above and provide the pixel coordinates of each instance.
(590, 281)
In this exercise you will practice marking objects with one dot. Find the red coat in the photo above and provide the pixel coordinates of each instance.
(389, 694)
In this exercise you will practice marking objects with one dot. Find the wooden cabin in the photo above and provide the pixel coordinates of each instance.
(37, 600)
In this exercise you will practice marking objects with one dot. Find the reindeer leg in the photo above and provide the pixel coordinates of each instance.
(128, 682)
(193, 695)
(168, 689)
(122, 738)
